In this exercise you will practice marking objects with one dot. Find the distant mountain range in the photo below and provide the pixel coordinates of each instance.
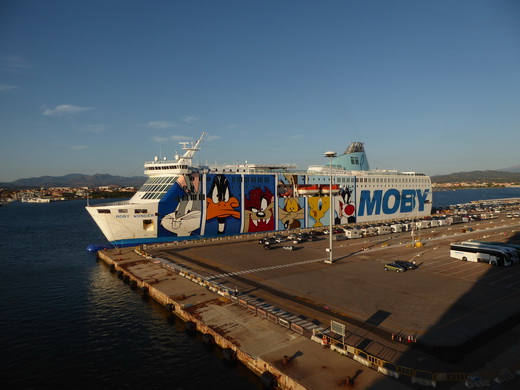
(79, 180)
(516, 168)
(501, 176)
(75, 180)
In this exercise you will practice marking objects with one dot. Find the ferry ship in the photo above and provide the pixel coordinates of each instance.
(181, 200)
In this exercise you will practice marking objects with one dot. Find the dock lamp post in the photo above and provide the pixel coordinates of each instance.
(330, 155)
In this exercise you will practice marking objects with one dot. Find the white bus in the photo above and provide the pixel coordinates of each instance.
(516, 248)
(473, 253)
(514, 254)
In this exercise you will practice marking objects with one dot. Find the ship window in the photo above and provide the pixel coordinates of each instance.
(104, 211)
(122, 211)
(148, 225)
(141, 211)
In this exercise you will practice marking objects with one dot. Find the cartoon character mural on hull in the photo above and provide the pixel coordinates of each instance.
(186, 217)
(259, 210)
(291, 215)
(221, 206)
(344, 208)
(318, 207)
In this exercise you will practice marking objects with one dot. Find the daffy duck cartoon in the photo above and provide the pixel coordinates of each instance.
(220, 203)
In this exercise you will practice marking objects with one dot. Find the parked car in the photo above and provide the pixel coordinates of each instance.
(299, 240)
(393, 266)
(406, 264)
(288, 247)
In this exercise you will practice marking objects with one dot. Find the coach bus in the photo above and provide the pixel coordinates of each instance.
(516, 248)
(493, 256)
(513, 253)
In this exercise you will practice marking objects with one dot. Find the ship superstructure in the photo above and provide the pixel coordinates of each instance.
(182, 200)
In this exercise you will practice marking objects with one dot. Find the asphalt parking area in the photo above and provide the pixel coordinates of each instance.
(445, 300)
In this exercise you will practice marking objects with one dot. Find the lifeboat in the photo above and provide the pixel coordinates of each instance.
(312, 189)
(326, 189)
(308, 189)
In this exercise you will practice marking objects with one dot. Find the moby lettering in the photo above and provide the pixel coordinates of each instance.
(392, 201)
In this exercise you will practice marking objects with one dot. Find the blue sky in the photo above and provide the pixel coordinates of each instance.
(102, 86)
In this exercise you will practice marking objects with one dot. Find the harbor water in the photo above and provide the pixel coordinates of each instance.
(67, 322)
(452, 197)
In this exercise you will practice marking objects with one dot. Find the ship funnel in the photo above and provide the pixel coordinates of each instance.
(354, 158)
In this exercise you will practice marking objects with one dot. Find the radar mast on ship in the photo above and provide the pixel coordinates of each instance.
(190, 150)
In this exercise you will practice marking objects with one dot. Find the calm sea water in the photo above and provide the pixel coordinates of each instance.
(447, 198)
(66, 321)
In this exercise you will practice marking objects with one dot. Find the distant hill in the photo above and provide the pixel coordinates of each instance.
(76, 180)
(489, 176)
(99, 179)
(516, 168)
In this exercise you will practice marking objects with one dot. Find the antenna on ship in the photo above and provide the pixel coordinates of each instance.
(190, 150)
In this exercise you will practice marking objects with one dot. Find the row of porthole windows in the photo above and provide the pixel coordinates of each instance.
(380, 180)
(123, 211)
(167, 167)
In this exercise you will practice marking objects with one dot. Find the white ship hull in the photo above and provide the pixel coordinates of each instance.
(181, 201)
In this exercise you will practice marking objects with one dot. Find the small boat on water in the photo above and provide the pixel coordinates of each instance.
(36, 199)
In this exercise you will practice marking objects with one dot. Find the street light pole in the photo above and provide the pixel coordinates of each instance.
(330, 155)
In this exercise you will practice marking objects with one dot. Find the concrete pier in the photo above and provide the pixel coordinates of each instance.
(278, 323)
(256, 342)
